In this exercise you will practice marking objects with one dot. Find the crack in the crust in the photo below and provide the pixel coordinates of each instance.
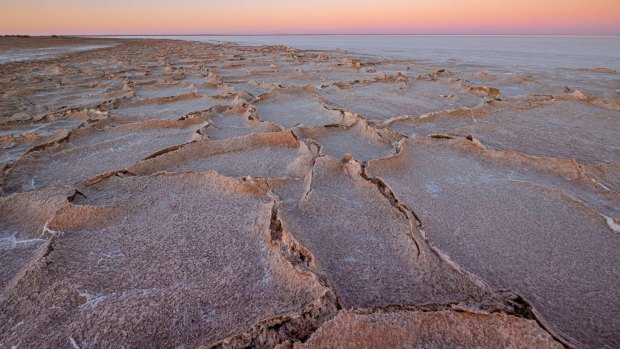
(288, 329)
(510, 302)
(475, 279)
(41, 147)
(521, 307)
(310, 180)
(44, 251)
(75, 194)
(497, 300)
(7, 168)
(298, 255)
(594, 180)
(165, 151)
(100, 177)
(390, 121)
(284, 329)
(387, 192)
(49, 247)
(105, 106)
(124, 172)
(315, 154)
(344, 114)
(440, 136)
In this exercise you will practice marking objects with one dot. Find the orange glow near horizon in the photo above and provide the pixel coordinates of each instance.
(43, 17)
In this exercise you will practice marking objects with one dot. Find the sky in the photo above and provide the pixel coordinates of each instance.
(141, 17)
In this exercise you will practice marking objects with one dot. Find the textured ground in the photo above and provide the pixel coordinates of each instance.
(181, 194)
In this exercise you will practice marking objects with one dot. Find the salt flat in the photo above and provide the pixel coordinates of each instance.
(170, 193)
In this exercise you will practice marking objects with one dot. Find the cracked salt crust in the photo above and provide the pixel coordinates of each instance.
(186, 194)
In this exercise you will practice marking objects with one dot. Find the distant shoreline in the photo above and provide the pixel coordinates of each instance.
(331, 34)
(491, 35)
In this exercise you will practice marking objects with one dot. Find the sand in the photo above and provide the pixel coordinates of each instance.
(160, 193)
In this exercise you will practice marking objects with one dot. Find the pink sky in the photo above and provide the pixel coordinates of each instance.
(307, 17)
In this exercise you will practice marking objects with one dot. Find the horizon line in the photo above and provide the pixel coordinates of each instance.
(334, 34)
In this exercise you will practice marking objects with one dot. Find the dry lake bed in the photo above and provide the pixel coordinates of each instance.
(182, 194)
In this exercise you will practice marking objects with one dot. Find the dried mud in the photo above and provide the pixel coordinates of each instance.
(159, 193)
